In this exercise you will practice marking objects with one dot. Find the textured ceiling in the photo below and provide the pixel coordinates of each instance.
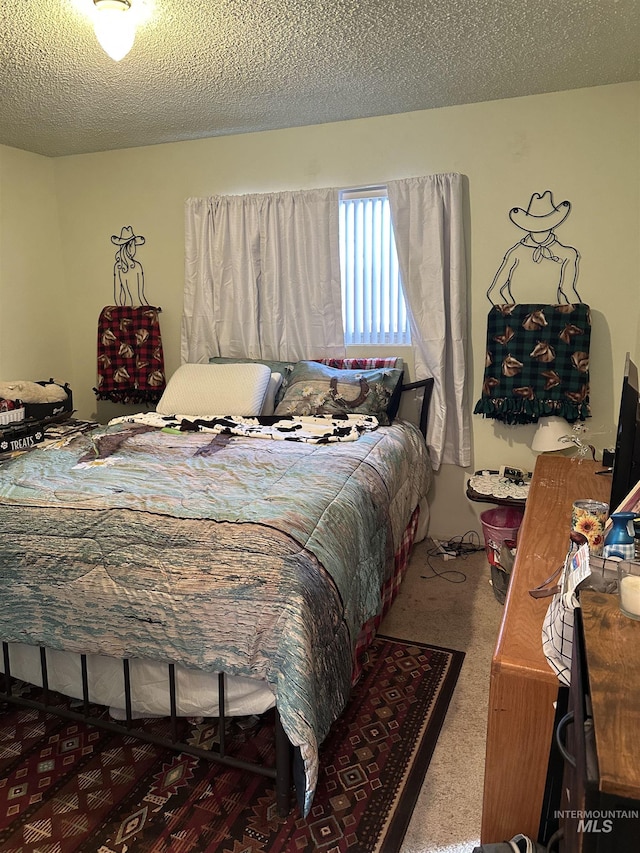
(215, 67)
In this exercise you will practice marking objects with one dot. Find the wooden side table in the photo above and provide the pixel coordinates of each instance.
(487, 487)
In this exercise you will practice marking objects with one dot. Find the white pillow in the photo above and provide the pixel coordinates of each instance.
(215, 389)
(269, 405)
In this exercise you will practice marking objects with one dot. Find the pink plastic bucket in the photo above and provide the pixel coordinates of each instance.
(499, 526)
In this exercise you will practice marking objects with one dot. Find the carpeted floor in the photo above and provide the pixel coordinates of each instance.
(451, 603)
(68, 787)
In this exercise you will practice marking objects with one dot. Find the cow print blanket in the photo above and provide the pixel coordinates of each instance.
(318, 429)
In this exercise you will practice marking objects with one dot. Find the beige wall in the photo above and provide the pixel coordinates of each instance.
(584, 145)
(34, 336)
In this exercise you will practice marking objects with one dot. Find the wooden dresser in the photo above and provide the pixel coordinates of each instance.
(523, 688)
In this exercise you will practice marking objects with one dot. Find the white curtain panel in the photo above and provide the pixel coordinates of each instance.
(262, 277)
(427, 216)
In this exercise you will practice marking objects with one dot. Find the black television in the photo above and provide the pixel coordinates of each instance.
(626, 461)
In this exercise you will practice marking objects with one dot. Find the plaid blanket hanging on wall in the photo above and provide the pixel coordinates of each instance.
(537, 363)
(130, 358)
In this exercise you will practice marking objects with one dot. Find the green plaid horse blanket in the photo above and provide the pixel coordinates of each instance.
(537, 363)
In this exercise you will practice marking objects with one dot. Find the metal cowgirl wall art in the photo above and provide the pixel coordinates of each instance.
(127, 271)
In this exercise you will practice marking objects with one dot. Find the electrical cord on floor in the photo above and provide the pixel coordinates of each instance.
(458, 547)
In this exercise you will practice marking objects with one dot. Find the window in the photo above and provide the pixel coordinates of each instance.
(373, 306)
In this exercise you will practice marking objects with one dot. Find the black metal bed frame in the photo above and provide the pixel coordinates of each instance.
(427, 385)
(281, 772)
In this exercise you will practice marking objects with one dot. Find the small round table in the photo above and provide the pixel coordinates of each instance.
(489, 487)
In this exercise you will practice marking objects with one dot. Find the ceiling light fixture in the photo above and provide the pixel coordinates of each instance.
(115, 27)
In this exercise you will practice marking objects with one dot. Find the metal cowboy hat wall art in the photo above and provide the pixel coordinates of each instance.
(541, 215)
(537, 354)
(539, 253)
(126, 236)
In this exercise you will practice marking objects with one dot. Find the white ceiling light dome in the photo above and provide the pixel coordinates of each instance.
(115, 27)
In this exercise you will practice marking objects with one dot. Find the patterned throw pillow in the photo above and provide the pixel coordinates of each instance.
(317, 389)
(362, 363)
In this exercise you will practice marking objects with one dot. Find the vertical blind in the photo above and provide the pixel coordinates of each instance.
(373, 305)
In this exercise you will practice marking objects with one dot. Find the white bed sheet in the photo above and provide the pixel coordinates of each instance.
(196, 691)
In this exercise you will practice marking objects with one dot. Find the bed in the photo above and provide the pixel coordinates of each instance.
(265, 547)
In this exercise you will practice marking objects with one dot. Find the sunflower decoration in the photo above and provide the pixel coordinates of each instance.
(590, 522)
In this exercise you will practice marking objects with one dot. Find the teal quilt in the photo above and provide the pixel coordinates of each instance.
(218, 552)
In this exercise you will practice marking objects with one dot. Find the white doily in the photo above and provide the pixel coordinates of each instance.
(495, 486)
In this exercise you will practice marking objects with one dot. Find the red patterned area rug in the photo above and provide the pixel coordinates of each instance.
(67, 787)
